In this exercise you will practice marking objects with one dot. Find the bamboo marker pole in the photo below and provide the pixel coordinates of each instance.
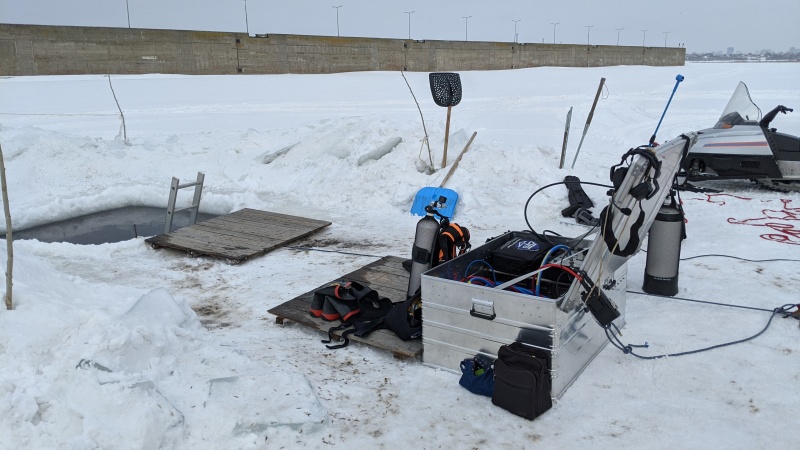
(446, 136)
(9, 246)
(455, 164)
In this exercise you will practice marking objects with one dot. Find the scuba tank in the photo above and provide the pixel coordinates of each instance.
(423, 250)
(664, 250)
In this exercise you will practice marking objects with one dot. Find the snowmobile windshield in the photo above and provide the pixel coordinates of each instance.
(740, 109)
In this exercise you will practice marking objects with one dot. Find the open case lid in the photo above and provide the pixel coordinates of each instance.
(603, 259)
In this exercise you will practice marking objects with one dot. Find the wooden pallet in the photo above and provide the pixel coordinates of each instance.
(386, 276)
(240, 235)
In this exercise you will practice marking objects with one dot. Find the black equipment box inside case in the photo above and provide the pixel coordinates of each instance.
(519, 255)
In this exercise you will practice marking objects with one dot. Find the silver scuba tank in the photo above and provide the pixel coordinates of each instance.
(664, 250)
(422, 251)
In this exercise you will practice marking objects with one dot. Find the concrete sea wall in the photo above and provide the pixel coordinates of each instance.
(60, 50)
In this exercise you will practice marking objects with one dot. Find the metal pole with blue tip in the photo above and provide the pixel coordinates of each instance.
(678, 80)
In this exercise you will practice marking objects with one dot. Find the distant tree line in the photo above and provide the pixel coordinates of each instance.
(766, 55)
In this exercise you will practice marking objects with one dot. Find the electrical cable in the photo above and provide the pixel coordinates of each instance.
(494, 275)
(742, 259)
(525, 210)
(487, 282)
(565, 268)
(574, 242)
(628, 349)
(483, 281)
(546, 258)
(553, 250)
(546, 239)
(558, 283)
(716, 255)
(706, 302)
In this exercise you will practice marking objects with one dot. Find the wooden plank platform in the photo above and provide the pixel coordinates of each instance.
(386, 276)
(240, 235)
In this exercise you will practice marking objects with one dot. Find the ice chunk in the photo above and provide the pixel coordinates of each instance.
(255, 403)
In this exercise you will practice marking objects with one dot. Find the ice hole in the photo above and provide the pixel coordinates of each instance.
(113, 225)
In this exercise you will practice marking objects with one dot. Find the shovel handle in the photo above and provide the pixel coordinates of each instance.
(446, 136)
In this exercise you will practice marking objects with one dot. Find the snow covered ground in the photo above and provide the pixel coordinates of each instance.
(122, 346)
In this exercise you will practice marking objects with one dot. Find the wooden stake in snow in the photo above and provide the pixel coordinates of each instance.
(10, 264)
(455, 164)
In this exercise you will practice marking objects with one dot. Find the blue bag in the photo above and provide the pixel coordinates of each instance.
(482, 383)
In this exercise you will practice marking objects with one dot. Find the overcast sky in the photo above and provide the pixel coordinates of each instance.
(699, 25)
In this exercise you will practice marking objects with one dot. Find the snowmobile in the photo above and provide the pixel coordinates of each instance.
(741, 145)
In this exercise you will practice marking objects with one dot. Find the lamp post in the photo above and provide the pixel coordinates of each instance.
(246, 23)
(588, 27)
(515, 29)
(665, 37)
(466, 27)
(618, 30)
(337, 18)
(644, 34)
(128, 9)
(409, 23)
(554, 30)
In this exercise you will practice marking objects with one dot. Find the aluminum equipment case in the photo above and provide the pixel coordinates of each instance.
(462, 320)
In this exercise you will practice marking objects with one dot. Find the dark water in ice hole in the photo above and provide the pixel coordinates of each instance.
(113, 225)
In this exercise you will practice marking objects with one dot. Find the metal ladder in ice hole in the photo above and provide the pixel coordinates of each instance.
(173, 193)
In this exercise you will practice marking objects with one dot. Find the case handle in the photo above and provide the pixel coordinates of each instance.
(482, 309)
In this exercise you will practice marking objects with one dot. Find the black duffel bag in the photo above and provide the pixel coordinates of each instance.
(522, 380)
